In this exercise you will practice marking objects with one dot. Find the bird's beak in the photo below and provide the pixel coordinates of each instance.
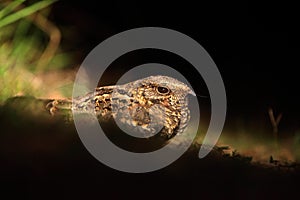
(192, 92)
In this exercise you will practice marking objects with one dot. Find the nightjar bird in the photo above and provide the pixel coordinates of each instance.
(149, 105)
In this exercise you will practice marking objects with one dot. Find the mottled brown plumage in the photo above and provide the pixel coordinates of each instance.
(149, 105)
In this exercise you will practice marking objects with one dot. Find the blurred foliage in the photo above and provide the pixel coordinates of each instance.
(29, 46)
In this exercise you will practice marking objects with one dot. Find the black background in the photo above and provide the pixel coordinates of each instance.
(254, 45)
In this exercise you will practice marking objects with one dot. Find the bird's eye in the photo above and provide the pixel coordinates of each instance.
(163, 90)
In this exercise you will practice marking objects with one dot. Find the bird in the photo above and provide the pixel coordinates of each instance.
(145, 105)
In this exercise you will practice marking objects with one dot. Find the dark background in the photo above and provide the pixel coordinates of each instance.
(254, 45)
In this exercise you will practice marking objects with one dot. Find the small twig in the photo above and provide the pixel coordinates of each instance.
(54, 39)
(274, 123)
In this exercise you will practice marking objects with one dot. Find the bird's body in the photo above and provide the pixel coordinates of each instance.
(155, 102)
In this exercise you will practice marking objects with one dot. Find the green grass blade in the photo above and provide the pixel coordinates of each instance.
(25, 12)
(10, 7)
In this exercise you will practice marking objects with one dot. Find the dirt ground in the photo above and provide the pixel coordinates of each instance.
(42, 157)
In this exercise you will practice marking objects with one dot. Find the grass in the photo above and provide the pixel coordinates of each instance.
(29, 47)
(21, 14)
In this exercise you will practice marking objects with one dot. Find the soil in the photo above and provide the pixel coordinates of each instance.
(42, 157)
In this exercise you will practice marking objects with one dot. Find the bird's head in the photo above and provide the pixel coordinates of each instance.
(160, 88)
(164, 97)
